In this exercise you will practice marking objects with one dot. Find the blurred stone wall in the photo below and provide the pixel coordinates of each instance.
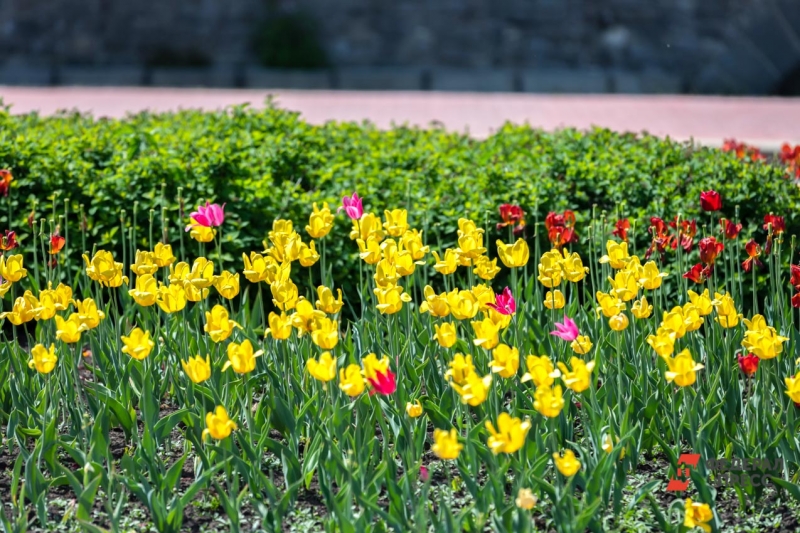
(676, 37)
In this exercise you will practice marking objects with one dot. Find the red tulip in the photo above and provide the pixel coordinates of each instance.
(796, 300)
(383, 383)
(778, 224)
(8, 241)
(710, 201)
(698, 273)
(795, 276)
(621, 228)
(748, 364)
(753, 251)
(5, 181)
(729, 229)
(56, 243)
(710, 248)
(560, 228)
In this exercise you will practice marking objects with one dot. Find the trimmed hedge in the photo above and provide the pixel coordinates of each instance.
(269, 163)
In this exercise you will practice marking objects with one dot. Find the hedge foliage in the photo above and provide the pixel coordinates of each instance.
(269, 163)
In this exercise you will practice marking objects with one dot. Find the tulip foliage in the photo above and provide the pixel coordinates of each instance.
(447, 402)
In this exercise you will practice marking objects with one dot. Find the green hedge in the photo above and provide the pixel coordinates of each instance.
(269, 163)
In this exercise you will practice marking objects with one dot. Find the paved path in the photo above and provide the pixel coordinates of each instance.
(765, 122)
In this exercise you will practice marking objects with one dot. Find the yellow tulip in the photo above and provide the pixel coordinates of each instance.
(396, 222)
(513, 256)
(69, 331)
(102, 268)
(241, 357)
(145, 263)
(23, 310)
(326, 334)
(673, 321)
(663, 342)
(460, 367)
(327, 303)
(567, 464)
(682, 369)
(793, 387)
(727, 317)
(470, 246)
(138, 344)
(475, 389)
(445, 444)
(548, 401)
(373, 366)
(448, 264)
(691, 317)
(390, 300)
(172, 298)
(525, 499)
(554, 299)
(281, 227)
(641, 309)
(145, 291)
(463, 304)
(510, 434)
(608, 445)
(307, 254)
(618, 322)
(11, 268)
(486, 333)
(581, 345)
(411, 241)
(702, 302)
(46, 308)
(162, 255)
(202, 273)
(386, 275)
(256, 267)
(502, 321)
(369, 251)
(324, 369)
(43, 359)
(367, 228)
(697, 515)
(624, 285)
(218, 425)
(305, 317)
(320, 221)
(540, 370)
(218, 326)
(484, 295)
(227, 284)
(486, 268)
(650, 277)
(764, 343)
(617, 255)
(200, 233)
(550, 271)
(351, 382)
(63, 297)
(5, 286)
(505, 361)
(197, 368)
(88, 313)
(404, 263)
(280, 327)
(579, 379)
(435, 304)
(610, 305)
(414, 410)
(445, 334)
(284, 294)
(574, 271)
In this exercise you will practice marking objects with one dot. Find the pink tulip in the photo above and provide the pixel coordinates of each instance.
(423, 474)
(352, 206)
(504, 303)
(567, 331)
(210, 215)
(383, 383)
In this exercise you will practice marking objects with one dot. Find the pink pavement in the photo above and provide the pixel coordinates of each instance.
(764, 122)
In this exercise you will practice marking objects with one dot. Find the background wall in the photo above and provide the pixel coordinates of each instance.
(739, 46)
